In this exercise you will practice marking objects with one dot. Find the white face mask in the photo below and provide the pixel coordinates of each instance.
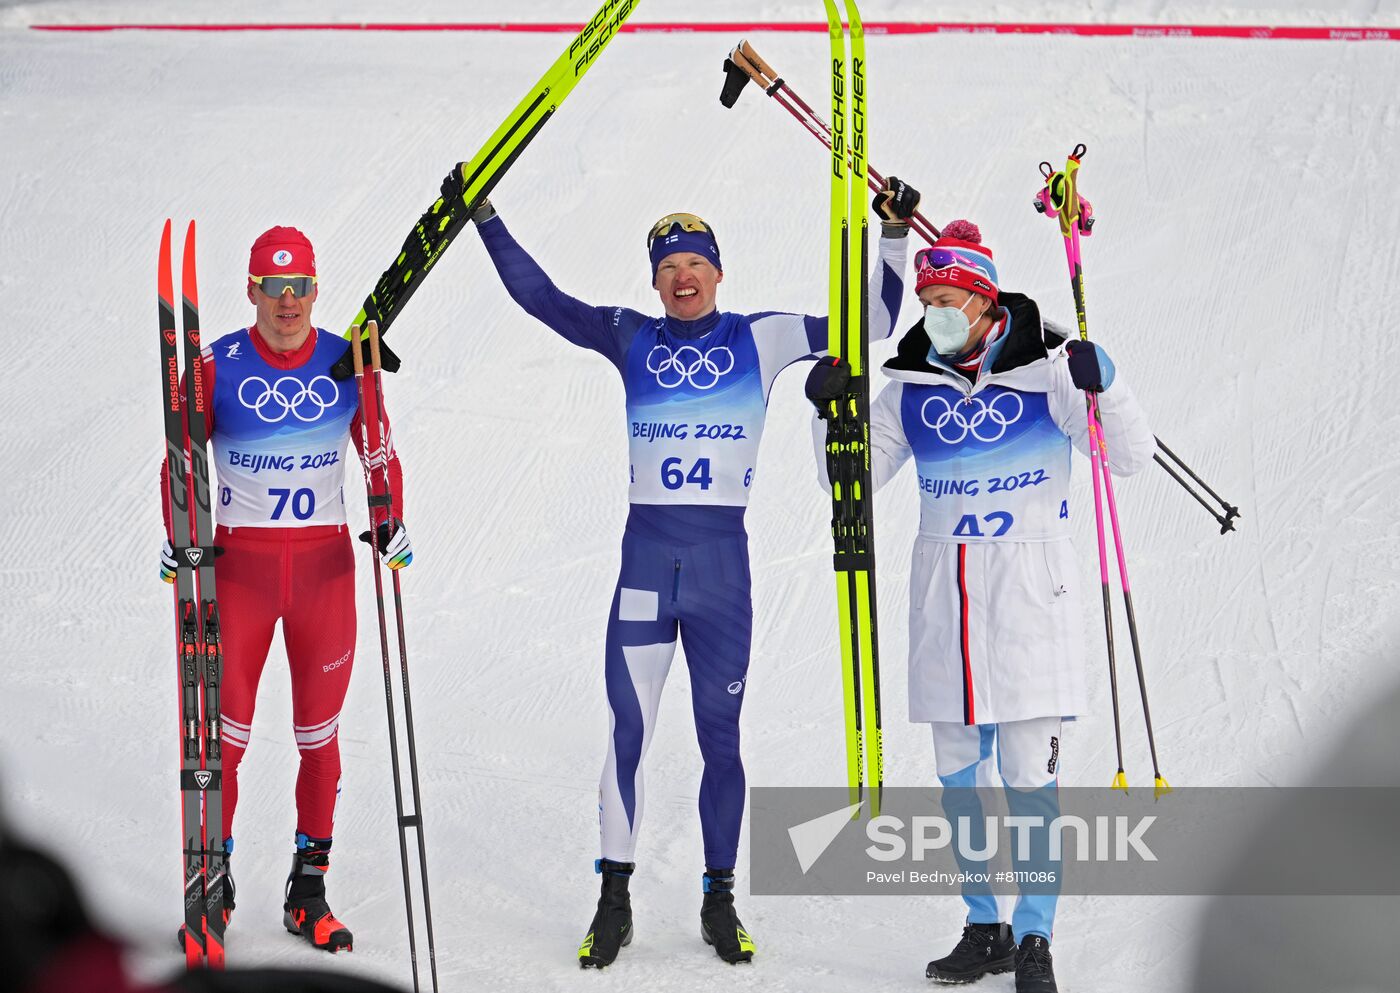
(948, 328)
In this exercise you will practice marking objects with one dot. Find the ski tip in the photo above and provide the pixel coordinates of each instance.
(164, 280)
(1120, 782)
(188, 284)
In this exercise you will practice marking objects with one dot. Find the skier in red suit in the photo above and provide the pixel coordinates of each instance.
(280, 425)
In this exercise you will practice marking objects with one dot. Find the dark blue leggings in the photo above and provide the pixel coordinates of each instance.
(702, 591)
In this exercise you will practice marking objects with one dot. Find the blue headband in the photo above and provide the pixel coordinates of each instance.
(702, 243)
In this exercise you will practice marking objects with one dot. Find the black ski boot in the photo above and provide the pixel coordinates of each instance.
(612, 924)
(1035, 972)
(228, 894)
(985, 949)
(306, 913)
(719, 924)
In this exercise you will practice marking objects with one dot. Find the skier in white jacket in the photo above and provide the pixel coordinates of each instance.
(988, 400)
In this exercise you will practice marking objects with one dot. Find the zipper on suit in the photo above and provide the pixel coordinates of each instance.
(676, 582)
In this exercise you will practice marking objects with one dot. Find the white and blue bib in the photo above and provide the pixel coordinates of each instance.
(280, 435)
(992, 465)
(695, 413)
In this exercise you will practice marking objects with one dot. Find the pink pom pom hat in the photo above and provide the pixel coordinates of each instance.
(958, 258)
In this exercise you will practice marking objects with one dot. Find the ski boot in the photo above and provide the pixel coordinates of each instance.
(228, 894)
(985, 949)
(719, 924)
(612, 924)
(1035, 972)
(306, 913)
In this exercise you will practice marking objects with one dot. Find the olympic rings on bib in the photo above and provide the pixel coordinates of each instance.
(987, 423)
(289, 395)
(687, 364)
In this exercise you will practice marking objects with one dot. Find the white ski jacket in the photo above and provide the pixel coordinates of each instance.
(994, 622)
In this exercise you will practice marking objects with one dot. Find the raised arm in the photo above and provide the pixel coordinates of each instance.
(783, 339)
(607, 330)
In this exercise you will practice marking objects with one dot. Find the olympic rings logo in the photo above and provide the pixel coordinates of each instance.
(307, 401)
(688, 364)
(987, 423)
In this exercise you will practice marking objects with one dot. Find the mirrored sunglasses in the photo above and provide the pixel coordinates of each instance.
(275, 286)
(687, 222)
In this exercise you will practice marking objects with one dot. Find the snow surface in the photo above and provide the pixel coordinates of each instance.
(1240, 276)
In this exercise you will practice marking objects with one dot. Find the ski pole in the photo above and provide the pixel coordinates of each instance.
(1226, 523)
(1055, 209)
(1231, 512)
(380, 496)
(416, 820)
(1064, 200)
(744, 64)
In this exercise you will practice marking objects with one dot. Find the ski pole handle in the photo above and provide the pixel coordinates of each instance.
(1059, 198)
(752, 64)
(758, 60)
(374, 346)
(357, 351)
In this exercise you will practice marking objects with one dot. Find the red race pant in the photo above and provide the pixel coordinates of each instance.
(304, 577)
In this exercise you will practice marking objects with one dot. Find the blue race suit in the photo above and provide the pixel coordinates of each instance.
(697, 396)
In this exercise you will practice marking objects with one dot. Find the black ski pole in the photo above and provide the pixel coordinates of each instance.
(416, 819)
(1226, 524)
(378, 498)
(1231, 512)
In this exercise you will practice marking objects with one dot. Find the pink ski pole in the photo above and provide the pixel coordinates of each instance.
(1060, 199)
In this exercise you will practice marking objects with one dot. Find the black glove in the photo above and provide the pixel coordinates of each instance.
(828, 381)
(1090, 367)
(391, 537)
(454, 185)
(897, 202)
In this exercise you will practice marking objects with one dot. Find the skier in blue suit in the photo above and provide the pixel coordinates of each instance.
(697, 382)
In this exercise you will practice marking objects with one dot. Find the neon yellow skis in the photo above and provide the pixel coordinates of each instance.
(470, 181)
(848, 420)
